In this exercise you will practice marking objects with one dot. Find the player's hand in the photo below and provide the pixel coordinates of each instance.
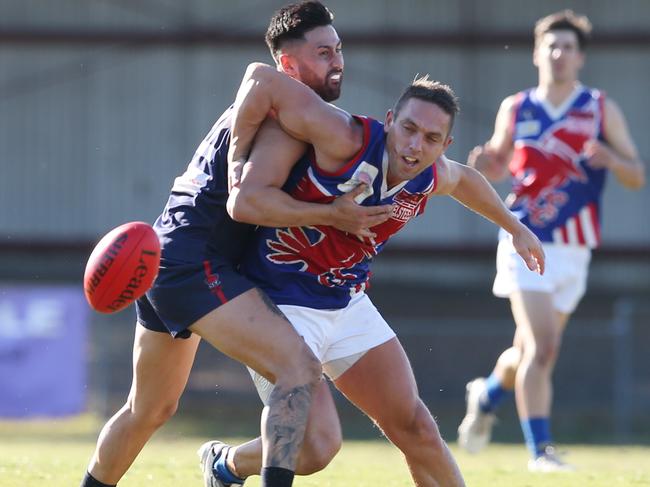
(349, 216)
(529, 248)
(477, 158)
(599, 156)
(235, 170)
(486, 160)
(481, 158)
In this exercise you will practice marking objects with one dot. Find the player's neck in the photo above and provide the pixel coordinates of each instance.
(391, 181)
(555, 92)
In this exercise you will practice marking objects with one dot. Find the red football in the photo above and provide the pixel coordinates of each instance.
(122, 267)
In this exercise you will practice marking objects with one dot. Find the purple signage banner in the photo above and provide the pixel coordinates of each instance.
(42, 350)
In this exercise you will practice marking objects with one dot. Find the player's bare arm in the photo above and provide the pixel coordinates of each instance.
(492, 158)
(259, 199)
(620, 154)
(466, 185)
(300, 112)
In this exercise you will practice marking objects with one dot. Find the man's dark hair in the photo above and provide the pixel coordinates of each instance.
(291, 22)
(431, 91)
(565, 20)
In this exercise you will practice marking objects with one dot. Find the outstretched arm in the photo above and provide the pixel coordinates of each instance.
(299, 110)
(258, 199)
(470, 188)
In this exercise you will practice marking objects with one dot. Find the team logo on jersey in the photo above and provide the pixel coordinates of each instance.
(543, 167)
(213, 281)
(308, 247)
(527, 114)
(528, 128)
(406, 205)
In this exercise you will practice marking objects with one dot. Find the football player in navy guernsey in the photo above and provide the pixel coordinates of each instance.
(317, 274)
(557, 141)
(199, 294)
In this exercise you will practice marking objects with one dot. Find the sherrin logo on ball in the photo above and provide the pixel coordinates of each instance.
(122, 267)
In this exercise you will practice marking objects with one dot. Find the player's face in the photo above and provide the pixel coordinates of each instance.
(416, 137)
(558, 56)
(317, 61)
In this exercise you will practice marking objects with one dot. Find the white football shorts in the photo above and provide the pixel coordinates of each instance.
(338, 337)
(565, 275)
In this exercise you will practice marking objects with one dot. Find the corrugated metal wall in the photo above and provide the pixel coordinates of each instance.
(92, 135)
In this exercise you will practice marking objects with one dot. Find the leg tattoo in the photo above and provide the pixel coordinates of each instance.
(285, 425)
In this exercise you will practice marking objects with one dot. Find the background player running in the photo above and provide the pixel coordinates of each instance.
(558, 141)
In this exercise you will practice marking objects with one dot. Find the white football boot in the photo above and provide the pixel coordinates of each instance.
(208, 453)
(475, 431)
(549, 461)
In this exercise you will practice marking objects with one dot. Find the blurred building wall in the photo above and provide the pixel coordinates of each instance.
(102, 103)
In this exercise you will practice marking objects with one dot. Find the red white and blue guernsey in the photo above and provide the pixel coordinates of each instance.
(555, 193)
(322, 267)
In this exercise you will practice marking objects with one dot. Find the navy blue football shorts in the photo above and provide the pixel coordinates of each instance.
(184, 293)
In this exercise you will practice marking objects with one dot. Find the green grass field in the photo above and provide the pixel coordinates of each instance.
(55, 455)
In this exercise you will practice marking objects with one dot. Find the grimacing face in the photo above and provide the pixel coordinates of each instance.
(317, 61)
(416, 137)
(558, 56)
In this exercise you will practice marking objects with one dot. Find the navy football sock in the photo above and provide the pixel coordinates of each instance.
(277, 477)
(90, 481)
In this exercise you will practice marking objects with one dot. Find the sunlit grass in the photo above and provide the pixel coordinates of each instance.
(55, 453)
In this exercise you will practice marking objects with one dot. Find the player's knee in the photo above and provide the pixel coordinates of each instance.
(163, 413)
(318, 450)
(154, 416)
(414, 430)
(425, 427)
(303, 368)
(546, 351)
(511, 358)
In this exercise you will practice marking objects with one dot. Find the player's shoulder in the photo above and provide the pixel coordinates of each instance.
(612, 111)
(368, 123)
(593, 91)
(511, 102)
(610, 106)
(443, 176)
(373, 134)
(224, 122)
(376, 129)
(220, 128)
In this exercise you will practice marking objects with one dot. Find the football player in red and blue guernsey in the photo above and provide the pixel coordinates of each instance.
(318, 274)
(200, 294)
(558, 141)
